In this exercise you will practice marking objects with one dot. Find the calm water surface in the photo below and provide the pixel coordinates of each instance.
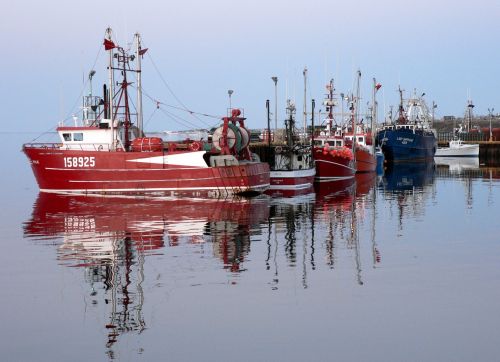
(403, 266)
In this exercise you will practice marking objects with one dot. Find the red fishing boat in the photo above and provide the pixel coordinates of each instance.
(357, 136)
(364, 149)
(334, 160)
(105, 153)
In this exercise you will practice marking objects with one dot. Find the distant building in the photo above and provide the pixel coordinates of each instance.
(449, 118)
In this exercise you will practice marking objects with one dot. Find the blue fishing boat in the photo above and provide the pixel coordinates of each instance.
(410, 138)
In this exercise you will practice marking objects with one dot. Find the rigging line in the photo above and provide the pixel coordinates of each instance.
(179, 108)
(168, 87)
(158, 103)
(51, 129)
(150, 118)
(191, 112)
(185, 122)
(177, 119)
(84, 85)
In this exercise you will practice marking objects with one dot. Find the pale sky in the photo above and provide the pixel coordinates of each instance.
(447, 49)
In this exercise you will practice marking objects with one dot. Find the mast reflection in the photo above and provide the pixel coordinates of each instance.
(302, 227)
(110, 238)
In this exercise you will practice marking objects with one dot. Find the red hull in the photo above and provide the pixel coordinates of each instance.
(364, 183)
(292, 180)
(365, 161)
(291, 192)
(291, 183)
(105, 172)
(331, 168)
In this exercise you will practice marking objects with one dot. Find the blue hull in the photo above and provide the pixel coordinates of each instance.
(403, 145)
(409, 176)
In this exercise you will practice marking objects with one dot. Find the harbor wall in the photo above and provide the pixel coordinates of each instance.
(489, 153)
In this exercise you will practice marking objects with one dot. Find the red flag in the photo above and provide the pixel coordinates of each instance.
(378, 86)
(108, 44)
(143, 51)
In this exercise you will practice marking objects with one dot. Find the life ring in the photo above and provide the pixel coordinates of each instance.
(194, 146)
(278, 149)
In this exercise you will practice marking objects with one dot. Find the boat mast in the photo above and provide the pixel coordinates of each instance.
(329, 106)
(313, 106)
(305, 99)
(374, 116)
(124, 58)
(402, 117)
(355, 114)
(139, 84)
(290, 107)
(469, 115)
(268, 124)
(111, 91)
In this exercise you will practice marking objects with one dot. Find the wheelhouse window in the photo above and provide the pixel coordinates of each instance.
(361, 139)
(339, 143)
(67, 136)
(77, 136)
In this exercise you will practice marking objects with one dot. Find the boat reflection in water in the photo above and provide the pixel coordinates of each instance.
(408, 186)
(110, 238)
(344, 212)
(312, 231)
(457, 165)
(409, 176)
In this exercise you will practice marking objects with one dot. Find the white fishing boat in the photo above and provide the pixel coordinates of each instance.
(457, 148)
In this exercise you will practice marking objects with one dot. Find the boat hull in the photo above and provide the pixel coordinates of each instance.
(365, 160)
(291, 183)
(332, 168)
(403, 145)
(292, 180)
(102, 172)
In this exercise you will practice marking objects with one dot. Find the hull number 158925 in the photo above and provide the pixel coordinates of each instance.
(79, 161)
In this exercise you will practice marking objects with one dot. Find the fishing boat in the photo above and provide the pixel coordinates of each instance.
(333, 158)
(292, 169)
(364, 150)
(410, 138)
(359, 137)
(457, 148)
(106, 153)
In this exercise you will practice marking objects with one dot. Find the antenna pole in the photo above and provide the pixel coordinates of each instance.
(139, 84)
